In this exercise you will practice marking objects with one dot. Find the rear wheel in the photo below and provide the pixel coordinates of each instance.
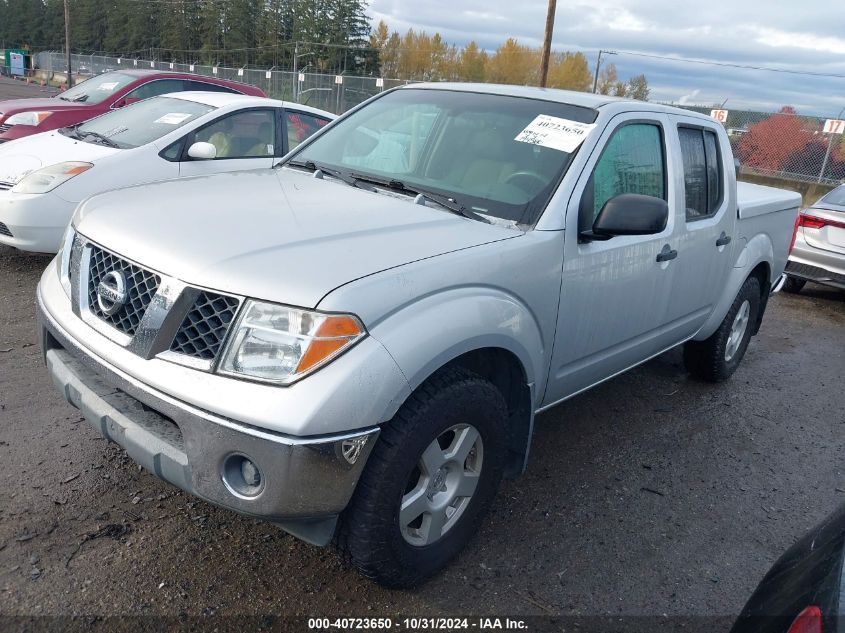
(716, 358)
(793, 284)
(430, 479)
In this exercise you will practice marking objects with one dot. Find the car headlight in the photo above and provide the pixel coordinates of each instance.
(48, 178)
(63, 257)
(27, 118)
(279, 344)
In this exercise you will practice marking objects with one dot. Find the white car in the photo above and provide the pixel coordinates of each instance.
(44, 177)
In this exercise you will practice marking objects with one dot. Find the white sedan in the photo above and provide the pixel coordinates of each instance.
(44, 177)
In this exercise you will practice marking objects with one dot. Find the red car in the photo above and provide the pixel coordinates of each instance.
(98, 95)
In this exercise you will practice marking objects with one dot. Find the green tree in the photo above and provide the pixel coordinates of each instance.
(638, 88)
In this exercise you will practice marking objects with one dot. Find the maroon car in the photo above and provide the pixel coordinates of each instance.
(98, 95)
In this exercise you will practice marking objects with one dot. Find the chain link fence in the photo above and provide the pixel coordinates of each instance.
(784, 145)
(335, 93)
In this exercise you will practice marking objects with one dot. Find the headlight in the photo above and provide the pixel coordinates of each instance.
(48, 178)
(27, 118)
(279, 344)
(63, 258)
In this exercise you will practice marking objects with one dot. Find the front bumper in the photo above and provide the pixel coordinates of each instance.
(34, 222)
(304, 481)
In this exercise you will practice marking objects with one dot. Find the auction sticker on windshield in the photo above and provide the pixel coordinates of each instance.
(173, 118)
(550, 131)
(109, 85)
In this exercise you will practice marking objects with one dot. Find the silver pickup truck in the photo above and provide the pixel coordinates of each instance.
(354, 344)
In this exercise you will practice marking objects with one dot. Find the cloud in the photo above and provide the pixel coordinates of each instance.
(806, 37)
(686, 98)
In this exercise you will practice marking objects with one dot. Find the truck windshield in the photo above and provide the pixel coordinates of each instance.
(480, 151)
(139, 123)
(97, 88)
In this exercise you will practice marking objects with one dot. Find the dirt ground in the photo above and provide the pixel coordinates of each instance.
(652, 494)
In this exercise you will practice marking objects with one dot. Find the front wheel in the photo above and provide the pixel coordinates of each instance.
(717, 357)
(430, 479)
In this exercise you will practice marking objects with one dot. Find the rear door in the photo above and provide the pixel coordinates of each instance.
(614, 293)
(705, 222)
(246, 139)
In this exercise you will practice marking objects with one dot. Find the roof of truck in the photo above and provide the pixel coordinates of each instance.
(583, 99)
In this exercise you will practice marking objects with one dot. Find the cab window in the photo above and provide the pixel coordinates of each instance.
(633, 161)
(703, 188)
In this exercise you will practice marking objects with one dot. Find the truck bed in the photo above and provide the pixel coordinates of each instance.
(769, 212)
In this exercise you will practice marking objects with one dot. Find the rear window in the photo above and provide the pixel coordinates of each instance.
(837, 196)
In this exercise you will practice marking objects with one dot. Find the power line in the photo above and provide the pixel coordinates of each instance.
(730, 64)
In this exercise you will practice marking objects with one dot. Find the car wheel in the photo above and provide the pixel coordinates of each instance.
(793, 284)
(430, 479)
(716, 358)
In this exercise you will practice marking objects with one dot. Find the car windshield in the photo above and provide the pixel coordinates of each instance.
(139, 123)
(98, 88)
(479, 153)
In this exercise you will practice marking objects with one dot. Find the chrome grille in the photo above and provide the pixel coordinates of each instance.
(4, 230)
(141, 287)
(5, 185)
(204, 327)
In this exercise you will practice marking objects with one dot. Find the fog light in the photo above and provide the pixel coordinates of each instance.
(241, 476)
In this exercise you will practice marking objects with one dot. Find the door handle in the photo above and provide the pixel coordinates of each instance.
(723, 240)
(667, 254)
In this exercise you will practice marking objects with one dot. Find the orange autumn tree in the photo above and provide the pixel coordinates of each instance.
(769, 143)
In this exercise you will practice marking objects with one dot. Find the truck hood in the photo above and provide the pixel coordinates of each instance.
(273, 234)
(27, 154)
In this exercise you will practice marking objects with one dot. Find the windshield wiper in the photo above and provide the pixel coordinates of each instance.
(72, 131)
(105, 140)
(450, 204)
(310, 165)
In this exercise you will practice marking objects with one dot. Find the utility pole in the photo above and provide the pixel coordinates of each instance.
(598, 65)
(67, 44)
(547, 43)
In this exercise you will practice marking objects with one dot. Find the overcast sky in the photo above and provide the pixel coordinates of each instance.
(802, 35)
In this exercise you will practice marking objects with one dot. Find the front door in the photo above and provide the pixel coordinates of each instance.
(614, 293)
(247, 139)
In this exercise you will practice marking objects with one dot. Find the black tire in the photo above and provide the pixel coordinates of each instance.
(793, 284)
(707, 359)
(369, 534)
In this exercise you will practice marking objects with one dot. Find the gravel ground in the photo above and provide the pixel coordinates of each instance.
(652, 494)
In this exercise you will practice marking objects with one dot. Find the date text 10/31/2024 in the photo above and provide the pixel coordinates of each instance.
(417, 624)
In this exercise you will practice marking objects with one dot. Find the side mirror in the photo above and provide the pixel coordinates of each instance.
(120, 103)
(202, 151)
(630, 214)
